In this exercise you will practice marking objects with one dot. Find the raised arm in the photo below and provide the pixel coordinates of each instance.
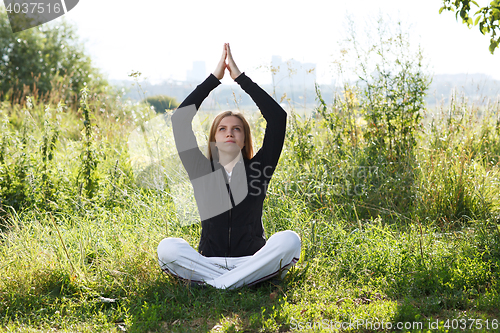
(201, 92)
(274, 114)
(192, 158)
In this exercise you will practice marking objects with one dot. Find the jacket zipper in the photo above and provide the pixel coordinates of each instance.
(230, 219)
(229, 240)
(230, 223)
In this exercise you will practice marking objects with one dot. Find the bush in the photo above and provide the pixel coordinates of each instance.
(374, 122)
(161, 103)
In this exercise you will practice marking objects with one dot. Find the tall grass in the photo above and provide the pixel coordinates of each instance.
(72, 262)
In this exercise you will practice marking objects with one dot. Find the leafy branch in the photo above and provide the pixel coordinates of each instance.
(488, 17)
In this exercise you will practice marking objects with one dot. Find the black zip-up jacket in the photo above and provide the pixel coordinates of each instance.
(231, 211)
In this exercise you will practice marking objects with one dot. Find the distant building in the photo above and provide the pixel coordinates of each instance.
(292, 74)
(198, 73)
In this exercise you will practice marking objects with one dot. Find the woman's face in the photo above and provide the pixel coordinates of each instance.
(229, 135)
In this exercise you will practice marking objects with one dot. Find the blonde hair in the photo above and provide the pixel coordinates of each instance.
(247, 150)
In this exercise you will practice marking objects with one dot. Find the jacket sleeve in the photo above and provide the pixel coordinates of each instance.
(275, 117)
(195, 163)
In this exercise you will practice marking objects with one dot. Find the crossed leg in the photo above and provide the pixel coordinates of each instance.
(282, 251)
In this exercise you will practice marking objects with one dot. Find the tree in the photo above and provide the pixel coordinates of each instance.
(488, 17)
(43, 59)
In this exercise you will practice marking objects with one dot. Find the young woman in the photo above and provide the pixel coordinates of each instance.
(230, 187)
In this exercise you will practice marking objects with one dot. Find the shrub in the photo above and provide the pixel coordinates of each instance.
(375, 121)
(161, 103)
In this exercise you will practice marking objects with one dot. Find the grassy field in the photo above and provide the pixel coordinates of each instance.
(397, 235)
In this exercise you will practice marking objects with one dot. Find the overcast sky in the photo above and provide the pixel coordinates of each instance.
(161, 39)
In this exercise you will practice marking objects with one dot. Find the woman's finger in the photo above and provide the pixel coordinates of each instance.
(221, 66)
(224, 52)
(233, 69)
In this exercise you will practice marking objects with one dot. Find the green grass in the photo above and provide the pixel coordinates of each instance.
(109, 277)
(417, 242)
